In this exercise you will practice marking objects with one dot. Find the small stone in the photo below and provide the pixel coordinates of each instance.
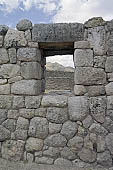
(79, 90)
(34, 144)
(94, 91)
(109, 89)
(21, 134)
(94, 22)
(87, 122)
(22, 123)
(109, 142)
(54, 101)
(27, 113)
(104, 159)
(76, 143)
(87, 155)
(98, 129)
(33, 44)
(54, 128)
(68, 154)
(69, 129)
(57, 115)
(24, 25)
(12, 55)
(13, 114)
(3, 81)
(101, 145)
(30, 157)
(110, 102)
(109, 64)
(3, 115)
(108, 124)
(32, 102)
(110, 77)
(5, 89)
(38, 127)
(3, 56)
(81, 45)
(63, 162)
(4, 134)
(44, 160)
(40, 112)
(10, 124)
(6, 101)
(99, 61)
(56, 140)
(52, 152)
(28, 35)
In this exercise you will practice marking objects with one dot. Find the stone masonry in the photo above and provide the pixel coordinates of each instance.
(73, 130)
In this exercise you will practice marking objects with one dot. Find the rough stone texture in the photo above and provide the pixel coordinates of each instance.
(24, 25)
(94, 22)
(28, 54)
(57, 115)
(34, 144)
(3, 56)
(89, 76)
(44, 160)
(79, 90)
(52, 152)
(109, 89)
(32, 102)
(69, 129)
(63, 162)
(5, 101)
(98, 129)
(14, 38)
(98, 106)
(3, 29)
(67, 153)
(3, 115)
(110, 44)
(38, 128)
(78, 108)
(4, 134)
(12, 55)
(9, 124)
(55, 101)
(1, 41)
(27, 113)
(54, 128)
(5, 89)
(99, 61)
(26, 87)
(104, 159)
(109, 142)
(13, 150)
(83, 57)
(95, 90)
(56, 140)
(109, 64)
(110, 102)
(81, 45)
(87, 122)
(41, 112)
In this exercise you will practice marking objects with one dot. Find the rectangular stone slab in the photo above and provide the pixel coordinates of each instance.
(58, 32)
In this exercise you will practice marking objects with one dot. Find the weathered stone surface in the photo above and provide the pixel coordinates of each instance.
(20, 134)
(3, 115)
(29, 54)
(28, 35)
(99, 61)
(76, 143)
(3, 56)
(14, 38)
(27, 113)
(98, 106)
(98, 129)
(12, 55)
(9, 70)
(10, 124)
(109, 142)
(32, 102)
(34, 144)
(63, 162)
(56, 140)
(68, 154)
(110, 102)
(101, 145)
(54, 101)
(95, 90)
(4, 134)
(26, 87)
(110, 44)
(57, 115)
(24, 25)
(22, 123)
(54, 128)
(5, 101)
(31, 70)
(110, 25)
(109, 64)
(110, 77)
(108, 124)
(87, 122)
(87, 155)
(44, 160)
(52, 152)
(97, 37)
(32, 44)
(83, 57)
(78, 107)
(104, 159)
(79, 90)
(81, 45)
(52, 32)
(3, 81)
(5, 89)
(94, 22)
(69, 129)
(89, 76)
(109, 89)
(3, 29)
(1, 41)
(13, 114)
(15, 79)
(40, 112)
(38, 127)
(13, 150)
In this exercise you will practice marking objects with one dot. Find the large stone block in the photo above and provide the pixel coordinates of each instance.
(109, 89)
(38, 128)
(13, 150)
(29, 54)
(26, 87)
(3, 56)
(109, 64)
(14, 38)
(89, 76)
(83, 57)
(97, 37)
(9, 70)
(31, 70)
(78, 108)
(24, 25)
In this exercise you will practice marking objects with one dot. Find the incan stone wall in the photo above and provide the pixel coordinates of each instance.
(74, 130)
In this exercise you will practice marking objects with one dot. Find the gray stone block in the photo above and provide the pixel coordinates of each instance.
(95, 90)
(6, 101)
(27, 113)
(18, 102)
(79, 90)
(109, 64)
(10, 124)
(24, 25)
(82, 45)
(89, 76)
(44, 160)
(109, 89)
(110, 102)
(3, 56)
(54, 128)
(26, 87)
(5, 89)
(1, 41)
(32, 102)
(3, 115)
(104, 159)
(75, 144)
(99, 61)
(3, 29)
(4, 134)
(12, 55)
(63, 162)
(97, 129)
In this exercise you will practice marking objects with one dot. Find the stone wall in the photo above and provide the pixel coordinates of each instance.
(59, 80)
(74, 130)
